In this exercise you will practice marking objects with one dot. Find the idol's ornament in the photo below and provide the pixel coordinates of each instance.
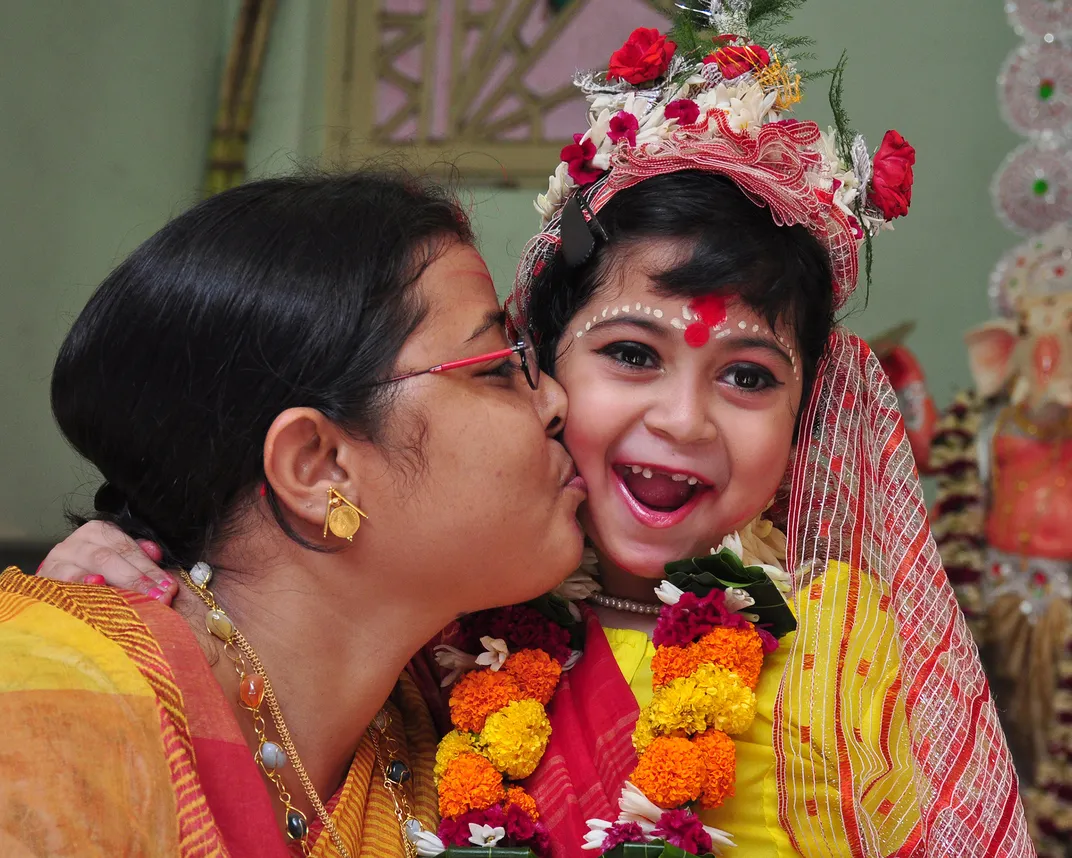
(1002, 453)
(1033, 189)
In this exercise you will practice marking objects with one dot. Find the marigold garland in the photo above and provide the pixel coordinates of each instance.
(479, 693)
(739, 650)
(671, 772)
(536, 673)
(451, 746)
(705, 670)
(719, 756)
(517, 796)
(469, 782)
(515, 737)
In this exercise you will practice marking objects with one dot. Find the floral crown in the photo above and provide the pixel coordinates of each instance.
(707, 96)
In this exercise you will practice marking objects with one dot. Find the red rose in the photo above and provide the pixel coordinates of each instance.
(644, 56)
(891, 180)
(684, 110)
(736, 60)
(577, 155)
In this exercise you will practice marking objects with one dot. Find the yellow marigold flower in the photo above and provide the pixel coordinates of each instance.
(469, 783)
(479, 693)
(671, 772)
(515, 738)
(536, 672)
(643, 734)
(719, 756)
(710, 697)
(516, 795)
(451, 746)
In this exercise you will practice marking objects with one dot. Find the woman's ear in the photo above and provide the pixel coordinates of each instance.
(305, 455)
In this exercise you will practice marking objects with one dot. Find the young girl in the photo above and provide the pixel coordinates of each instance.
(696, 246)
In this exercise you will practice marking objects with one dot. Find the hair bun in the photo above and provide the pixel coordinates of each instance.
(111, 501)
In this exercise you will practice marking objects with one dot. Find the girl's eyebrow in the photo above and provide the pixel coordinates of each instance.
(647, 323)
(660, 328)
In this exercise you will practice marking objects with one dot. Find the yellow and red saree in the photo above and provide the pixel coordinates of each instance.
(117, 740)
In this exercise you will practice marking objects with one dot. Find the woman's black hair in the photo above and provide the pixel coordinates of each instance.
(782, 272)
(280, 293)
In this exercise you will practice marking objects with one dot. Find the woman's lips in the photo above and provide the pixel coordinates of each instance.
(654, 517)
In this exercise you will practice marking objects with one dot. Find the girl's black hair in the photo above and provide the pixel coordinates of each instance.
(279, 293)
(782, 272)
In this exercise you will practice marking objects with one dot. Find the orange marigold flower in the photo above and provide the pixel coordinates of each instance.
(478, 694)
(739, 650)
(671, 772)
(469, 783)
(536, 673)
(674, 662)
(516, 795)
(719, 756)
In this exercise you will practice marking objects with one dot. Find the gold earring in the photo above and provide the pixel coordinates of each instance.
(342, 518)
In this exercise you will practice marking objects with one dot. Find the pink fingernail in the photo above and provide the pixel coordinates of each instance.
(166, 583)
(151, 550)
(156, 593)
(94, 579)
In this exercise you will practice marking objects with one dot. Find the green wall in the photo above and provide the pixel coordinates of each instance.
(106, 108)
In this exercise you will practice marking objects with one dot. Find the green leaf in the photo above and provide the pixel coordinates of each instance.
(657, 849)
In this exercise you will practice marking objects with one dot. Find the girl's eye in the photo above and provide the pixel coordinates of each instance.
(631, 355)
(750, 378)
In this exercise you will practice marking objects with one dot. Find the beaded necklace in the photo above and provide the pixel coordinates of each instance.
(255, 691)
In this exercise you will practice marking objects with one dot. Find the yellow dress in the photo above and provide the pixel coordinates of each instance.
(751, 816)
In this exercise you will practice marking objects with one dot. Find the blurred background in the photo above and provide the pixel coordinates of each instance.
(108, 108)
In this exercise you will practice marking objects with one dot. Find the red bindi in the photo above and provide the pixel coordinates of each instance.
(709, 309)
(697, 334)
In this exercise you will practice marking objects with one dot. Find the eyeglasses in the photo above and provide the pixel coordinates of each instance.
(524, 348)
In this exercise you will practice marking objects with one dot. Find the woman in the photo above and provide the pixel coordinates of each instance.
(693, 332)
(253, 385)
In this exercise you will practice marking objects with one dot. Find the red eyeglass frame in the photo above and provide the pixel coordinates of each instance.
(523, 348)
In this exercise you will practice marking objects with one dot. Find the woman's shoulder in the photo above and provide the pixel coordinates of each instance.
(64, 636)
(82, 732)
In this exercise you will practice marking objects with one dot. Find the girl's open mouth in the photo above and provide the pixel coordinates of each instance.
(659, 497)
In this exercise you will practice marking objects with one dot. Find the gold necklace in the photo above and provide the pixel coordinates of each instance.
(254, 689)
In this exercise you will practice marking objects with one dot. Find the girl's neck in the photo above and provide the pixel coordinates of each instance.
(623, 584)
(332, 655)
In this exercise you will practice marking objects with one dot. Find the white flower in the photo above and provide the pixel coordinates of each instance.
(428, 845)
(636, 807)
(574, 657)
(495, 652)
(738, 599)
(719, 838)
(732, 541)
(750, 108)
(453, 659)
(485, 835)
(597, 833)
(559, 185)
(669, 594)
(578, 587)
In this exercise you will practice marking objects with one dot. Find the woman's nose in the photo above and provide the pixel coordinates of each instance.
(551, 404)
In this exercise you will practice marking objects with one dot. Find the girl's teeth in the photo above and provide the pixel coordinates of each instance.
(636, 469)
(678, 478)
(647, 472)
(693, 481)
